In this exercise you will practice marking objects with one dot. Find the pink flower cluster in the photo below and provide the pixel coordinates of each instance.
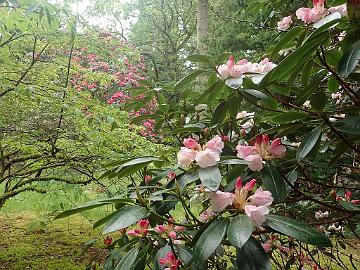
(236, 70)
(142, 229)
(255, 206)
(347, 198)
(170, 261)
(261, 150)
(169, 230)
(205, 156)
(312, 15)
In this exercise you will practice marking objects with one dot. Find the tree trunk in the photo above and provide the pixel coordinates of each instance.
(202, 25)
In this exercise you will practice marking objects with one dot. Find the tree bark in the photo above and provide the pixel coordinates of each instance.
(202, 25)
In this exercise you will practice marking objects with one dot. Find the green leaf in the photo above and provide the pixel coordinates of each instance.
(210, 177)
(219, 113)
(349, 125)
(255, 93)
(318, 101)
(199, 58)
(274, 182)
(125, 217)
(288, 117)
(212, 92)
(188, 79)
(210, 239)
(308, 143)
(300, 231)
(286, 39)
(86, 206)
(128, 260)
(252, 256)
(349, 60)
(240, 230)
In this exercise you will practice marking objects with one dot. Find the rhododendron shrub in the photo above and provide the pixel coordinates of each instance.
(109, 68)
(265, 161)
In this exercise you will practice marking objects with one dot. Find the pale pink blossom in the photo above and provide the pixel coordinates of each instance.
(206, 215)
(254, 162)
(341, 9)
(237, 71)
(207, 158)
(277, 149)
(223, 72)
(266, 66)
(220, 200)
(284, 24)
(186, 156)
(256, 213)
(215, 143)
(191, 143)
(311, 15)
(243, 151)
(261, 198)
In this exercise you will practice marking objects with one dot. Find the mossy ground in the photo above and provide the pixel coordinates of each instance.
(29, 241)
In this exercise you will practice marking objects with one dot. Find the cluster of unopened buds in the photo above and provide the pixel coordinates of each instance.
(312, 15)
(255, 206)
(167, 230)
(261, 150)
(347, 198)
(242, 67)
(205, 156)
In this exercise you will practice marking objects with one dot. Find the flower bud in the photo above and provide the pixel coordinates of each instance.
(238, 184)
(250, 185)
(348, 195)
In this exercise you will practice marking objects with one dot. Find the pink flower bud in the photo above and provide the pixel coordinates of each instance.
(172, 235)
(265, 139)
(231, 62)
(107, 241)
(356, 202)
(190, 143)
(172, 175)
(224, 138)
(179, 228)
(250, 185)
(258, 140)
(147, 179)
(238, 184)
(348, 196)
(160, 229)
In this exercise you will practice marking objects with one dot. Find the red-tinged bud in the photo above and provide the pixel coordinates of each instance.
(250, 185)
(318, 2)
(339, 198)
(238, 184)
(224, 138)
(258, 139)
(107, 241)
(172, 175)
(265, 139)
(147, 179)
(353, 10)
(348, 196)
(242, 132)
(356, 202)
(231, 62)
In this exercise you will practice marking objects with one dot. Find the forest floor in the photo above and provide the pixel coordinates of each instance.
(29, 241)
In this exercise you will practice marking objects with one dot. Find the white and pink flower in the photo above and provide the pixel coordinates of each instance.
(284, 24)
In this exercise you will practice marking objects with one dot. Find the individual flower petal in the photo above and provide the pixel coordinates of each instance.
(277, 149)
(256, 213)
(207, 158)
(191, 143)
(261, 198)
(220, 200)
(254, 162)
(243, 151)
(223, 72)
(215, 143)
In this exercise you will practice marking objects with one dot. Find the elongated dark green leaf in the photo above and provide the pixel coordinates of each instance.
(185, 253)
(349, 125)
(274, 182)
(86, 206)
(240, 230)
(349, 60)
(308, 143)
(210, 239)
(219, 113)
(288, 117)
(188, 79)
(125, 217)
(128, 260)
(132, 166)
(212, 92)
(318, 101)
(252, 256)
(297, 230)
(286, 38)
(210, 177)
(255, 93)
